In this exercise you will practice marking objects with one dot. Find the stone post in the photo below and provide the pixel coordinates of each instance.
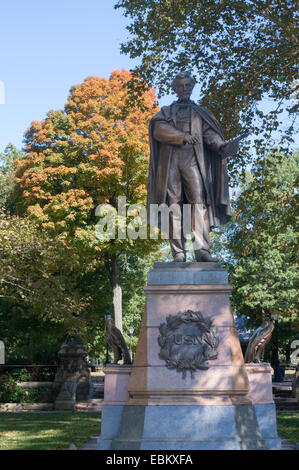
(72, 380)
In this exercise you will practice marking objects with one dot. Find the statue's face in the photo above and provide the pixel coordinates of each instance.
(183, 89)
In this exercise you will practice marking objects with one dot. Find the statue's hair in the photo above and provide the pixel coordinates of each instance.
(181, 76)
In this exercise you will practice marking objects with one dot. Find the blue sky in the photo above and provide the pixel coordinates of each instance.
(48, 46)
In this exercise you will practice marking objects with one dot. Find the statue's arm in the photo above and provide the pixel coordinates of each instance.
(211, 138)
(164, 132)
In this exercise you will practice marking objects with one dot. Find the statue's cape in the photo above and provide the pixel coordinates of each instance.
(212, 167)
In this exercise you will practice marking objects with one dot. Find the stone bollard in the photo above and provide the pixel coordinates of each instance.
(72, 380)
(66, 399)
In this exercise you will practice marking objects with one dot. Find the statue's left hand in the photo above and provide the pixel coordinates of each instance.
(230, 148)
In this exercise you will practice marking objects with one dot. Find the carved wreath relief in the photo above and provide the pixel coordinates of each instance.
(188, 341)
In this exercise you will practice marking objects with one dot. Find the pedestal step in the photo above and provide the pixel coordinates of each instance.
(178, 427)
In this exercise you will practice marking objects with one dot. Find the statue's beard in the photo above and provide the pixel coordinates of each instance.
(184, 98)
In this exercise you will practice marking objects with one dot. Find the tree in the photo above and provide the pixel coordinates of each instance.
(261, 243)
(90, 153)
(240, 51)
(41, 276)
(8, 160)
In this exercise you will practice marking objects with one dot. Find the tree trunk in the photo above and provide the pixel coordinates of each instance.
(113, 274)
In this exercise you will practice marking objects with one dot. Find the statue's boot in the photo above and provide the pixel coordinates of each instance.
(204, 256)
(179, 258)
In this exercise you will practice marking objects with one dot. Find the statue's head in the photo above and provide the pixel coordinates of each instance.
(183, 85)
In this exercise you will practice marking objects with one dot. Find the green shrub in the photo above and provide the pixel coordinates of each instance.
(34, 374)
(42, 395)
(10, 392)
(43, 374)
(21, 375)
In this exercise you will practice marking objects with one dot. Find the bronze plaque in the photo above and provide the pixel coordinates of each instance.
(188, 341)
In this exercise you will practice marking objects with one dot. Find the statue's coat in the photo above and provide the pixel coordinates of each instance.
(212, 167)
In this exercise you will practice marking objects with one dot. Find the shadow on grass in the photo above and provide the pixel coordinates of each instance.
(288, 426)
(47, 431)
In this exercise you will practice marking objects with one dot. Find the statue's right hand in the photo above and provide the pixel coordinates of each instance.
(187, 139)
(191, 139)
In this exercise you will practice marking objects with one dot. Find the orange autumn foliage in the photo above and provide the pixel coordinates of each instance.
(91, 152)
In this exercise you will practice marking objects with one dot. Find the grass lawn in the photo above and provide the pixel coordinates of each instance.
(47, 431)
(56, 431)
(288, 426)
(98, 373)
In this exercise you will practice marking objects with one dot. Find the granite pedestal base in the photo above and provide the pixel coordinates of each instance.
(115, 397)
(200, 427)
(221, 406)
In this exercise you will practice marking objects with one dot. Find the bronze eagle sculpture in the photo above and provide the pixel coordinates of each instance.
(258, 341)
(116, 341)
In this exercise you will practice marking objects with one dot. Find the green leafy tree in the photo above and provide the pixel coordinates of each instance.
(47, 289)
(8, 160)
(41, 275)
(240, 52)
(93, 151)
(260, 246)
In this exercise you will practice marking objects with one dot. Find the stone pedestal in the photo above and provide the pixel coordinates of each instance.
(198, 395)
(179, 287)
(115, 397)
(261, 396)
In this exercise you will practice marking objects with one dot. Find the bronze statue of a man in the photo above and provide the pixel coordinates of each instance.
(188, 165)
